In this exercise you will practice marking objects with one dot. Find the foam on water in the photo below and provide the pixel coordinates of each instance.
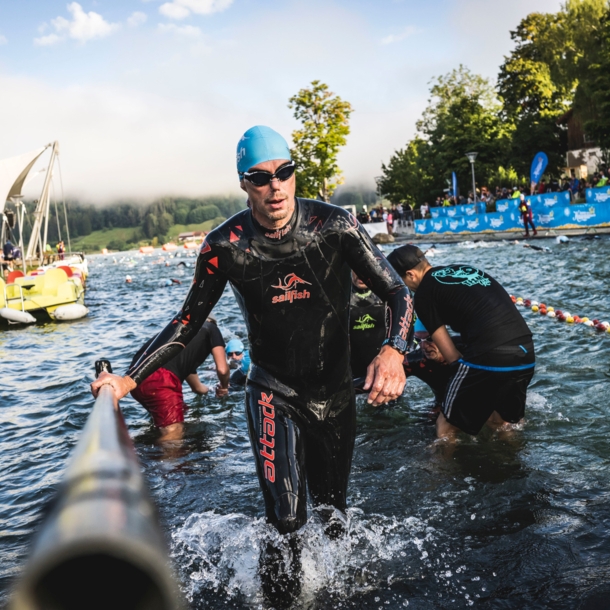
(222, 552)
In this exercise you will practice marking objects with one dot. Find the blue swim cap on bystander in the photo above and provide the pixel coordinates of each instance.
(260, 144)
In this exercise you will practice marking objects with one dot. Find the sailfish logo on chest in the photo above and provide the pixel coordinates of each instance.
(289, 285)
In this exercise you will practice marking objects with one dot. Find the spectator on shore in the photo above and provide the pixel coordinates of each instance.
(542, 187)
(408, 214)
(603, 180)
(424, 209)
(389, 219)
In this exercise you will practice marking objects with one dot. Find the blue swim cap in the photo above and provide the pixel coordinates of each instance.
(234, 345)
(260, 144)
(419, 327)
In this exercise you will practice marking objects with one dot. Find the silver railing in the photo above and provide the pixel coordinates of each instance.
(100, 545)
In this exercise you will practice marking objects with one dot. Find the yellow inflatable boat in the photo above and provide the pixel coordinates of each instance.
(56, 294)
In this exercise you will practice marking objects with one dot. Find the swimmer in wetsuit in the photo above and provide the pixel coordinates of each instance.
(288, 262)
(367, 326)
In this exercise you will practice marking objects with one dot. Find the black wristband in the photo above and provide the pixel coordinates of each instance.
(398, 343)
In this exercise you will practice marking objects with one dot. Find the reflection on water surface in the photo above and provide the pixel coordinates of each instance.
(517, 520)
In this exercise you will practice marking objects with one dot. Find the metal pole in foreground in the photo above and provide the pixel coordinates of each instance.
(471, 157)
(100, 545)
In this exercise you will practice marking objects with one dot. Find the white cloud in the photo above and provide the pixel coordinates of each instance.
(179, 9)
(398, 37)
(136, 19)
(189, 31)
(3, 39)
(82, 27)
(45, 41)
(117, 142)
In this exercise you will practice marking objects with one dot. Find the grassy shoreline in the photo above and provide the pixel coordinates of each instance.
(132, 238)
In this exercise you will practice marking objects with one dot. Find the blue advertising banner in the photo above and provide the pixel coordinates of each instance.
(503, 221)
(504, 205)
(422, 226)
(598, 195)
(575, 216)
(453, 211)
(543, 204)
(553, 216)
(538, 166)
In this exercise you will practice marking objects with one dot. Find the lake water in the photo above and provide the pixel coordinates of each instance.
(519, 520)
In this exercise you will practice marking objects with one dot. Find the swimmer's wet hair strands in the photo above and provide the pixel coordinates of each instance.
(405, 258)
(260, 144)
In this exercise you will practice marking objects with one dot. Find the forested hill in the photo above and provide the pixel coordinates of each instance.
(121, 226)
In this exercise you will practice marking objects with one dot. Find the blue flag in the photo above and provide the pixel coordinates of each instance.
(538, 166)
(454, 183)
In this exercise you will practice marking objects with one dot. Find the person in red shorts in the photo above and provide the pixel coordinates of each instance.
(161, 393)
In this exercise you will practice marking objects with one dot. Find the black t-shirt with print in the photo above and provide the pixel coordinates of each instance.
(473, 304)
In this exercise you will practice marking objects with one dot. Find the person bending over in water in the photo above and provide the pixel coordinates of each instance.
(288, 261)
(490, 376)
(161, 392)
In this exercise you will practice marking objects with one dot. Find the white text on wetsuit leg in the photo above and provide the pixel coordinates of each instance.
(267, 438)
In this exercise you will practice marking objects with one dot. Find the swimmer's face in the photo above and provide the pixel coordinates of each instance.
(356, 281)
(273, 204)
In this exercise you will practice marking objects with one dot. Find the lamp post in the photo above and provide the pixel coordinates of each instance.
(471, 157)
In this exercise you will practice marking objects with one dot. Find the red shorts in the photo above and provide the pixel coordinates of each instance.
(161, 395)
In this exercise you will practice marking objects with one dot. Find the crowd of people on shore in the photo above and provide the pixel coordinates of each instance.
(395, 216)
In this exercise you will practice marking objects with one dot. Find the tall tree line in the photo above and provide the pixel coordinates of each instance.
(559, 62)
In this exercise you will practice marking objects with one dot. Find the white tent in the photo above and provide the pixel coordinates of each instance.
(13, 173)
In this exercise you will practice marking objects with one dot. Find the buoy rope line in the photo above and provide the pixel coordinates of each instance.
(559, 315)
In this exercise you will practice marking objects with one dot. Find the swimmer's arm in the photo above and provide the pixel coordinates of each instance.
(196, 385)
(445, 345)
(222, 370)
(207, 288)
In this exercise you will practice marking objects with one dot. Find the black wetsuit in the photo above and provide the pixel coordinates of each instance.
(293, 286)
(367, 328)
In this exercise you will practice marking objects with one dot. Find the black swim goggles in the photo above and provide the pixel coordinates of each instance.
(260, 177)
(230, 354)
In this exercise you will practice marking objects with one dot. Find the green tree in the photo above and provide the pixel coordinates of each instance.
(203, 213)
(325, 126)
(538, 80)
(150, 225)
(463, 115)
(164, 222)
(592, 99)
(405, 178)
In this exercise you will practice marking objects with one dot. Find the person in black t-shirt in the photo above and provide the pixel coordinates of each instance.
(490, 376)
(161, 392)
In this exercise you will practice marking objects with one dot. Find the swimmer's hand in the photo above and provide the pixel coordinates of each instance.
(385, 377)
(121, 385)
(220, 391)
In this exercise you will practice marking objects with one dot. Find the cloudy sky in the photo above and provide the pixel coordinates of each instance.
(149, 97)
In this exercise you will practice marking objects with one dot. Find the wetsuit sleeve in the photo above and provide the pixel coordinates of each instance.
(373, 269)
(208, 285)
